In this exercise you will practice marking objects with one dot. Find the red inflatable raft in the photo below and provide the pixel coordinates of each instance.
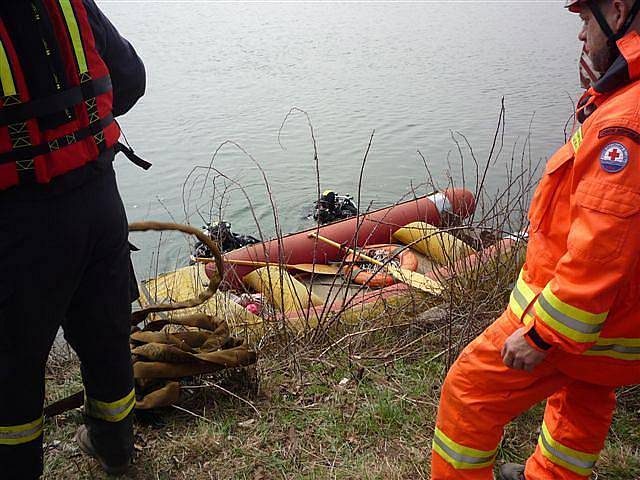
(375, 227)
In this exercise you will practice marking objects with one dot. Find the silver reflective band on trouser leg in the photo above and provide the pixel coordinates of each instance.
(442, 202)
(573, 460)
(110, 411)
(18, 434)
(459, 456)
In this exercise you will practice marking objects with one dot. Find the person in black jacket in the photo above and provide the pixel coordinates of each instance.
(64, 254)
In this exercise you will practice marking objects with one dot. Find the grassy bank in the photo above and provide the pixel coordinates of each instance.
(360, 404)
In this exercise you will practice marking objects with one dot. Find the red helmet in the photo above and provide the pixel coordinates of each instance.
(573, 5)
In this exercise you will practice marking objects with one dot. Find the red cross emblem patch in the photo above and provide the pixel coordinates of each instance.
(614, 157)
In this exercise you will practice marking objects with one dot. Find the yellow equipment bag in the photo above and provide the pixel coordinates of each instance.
(188, 282)
(281, 289)
(440, 246)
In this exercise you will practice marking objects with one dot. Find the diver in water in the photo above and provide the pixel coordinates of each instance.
(331, 207)
(220, 232)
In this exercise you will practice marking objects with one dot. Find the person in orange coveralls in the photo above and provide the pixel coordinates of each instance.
(571, 332)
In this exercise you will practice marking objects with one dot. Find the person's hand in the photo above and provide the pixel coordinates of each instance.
(518, 354)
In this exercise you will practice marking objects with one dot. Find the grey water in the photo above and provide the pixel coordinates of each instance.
(412, 71)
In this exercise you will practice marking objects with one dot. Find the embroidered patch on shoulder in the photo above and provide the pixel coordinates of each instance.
(620, 131)
(614, 157)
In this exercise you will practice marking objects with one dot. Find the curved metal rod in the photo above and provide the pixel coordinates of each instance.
(202, 297)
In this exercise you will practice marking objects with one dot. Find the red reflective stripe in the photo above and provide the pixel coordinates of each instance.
(8, 175)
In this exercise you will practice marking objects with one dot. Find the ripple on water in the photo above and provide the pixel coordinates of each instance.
(231, 71)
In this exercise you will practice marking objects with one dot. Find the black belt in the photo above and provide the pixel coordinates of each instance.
(41, 107)
(27, 153)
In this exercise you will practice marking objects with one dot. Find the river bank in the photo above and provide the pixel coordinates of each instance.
(337, 400)
(363, 408)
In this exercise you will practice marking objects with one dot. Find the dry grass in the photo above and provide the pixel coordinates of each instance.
(337, 415)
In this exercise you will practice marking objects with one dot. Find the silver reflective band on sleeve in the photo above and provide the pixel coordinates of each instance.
(521, 297)
(442, 202)
(619, 348)
(518, 296)
(616, 348)
(19, 434)
(568, 321)
(575, 323)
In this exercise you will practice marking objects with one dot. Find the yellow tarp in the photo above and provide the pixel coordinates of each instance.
(281, 289)
(188, 282)
(438, 245)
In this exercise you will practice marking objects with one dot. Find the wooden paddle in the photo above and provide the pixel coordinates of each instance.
(303, 267)
(413, 279)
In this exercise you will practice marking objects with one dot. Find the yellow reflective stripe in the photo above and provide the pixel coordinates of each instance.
(110, 411)
(577, 324)
(459, 456)
(574, 454)
(560, 327)
(576, 140)
(527, 318)
(18, 434)
(580, 315)
(573, 460)
(6, 77)
(524, 288)
(74, 32)
(619, 348)
(521, 296)
(515, 305)
(627, 342)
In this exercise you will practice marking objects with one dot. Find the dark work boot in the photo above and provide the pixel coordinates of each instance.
(110, 443)
(512, 471)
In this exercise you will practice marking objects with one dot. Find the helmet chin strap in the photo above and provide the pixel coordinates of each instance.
(604, 25)
(602, 21)
(612, 37)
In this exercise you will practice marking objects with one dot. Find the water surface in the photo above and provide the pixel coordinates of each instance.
(413, 72)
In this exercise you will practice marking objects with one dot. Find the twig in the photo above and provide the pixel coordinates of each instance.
(177, 407)
(237, 397)
(363, 332)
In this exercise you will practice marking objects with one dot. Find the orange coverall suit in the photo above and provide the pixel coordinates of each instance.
(578, 295)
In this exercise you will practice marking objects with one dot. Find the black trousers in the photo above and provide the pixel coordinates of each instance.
(64, 262)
